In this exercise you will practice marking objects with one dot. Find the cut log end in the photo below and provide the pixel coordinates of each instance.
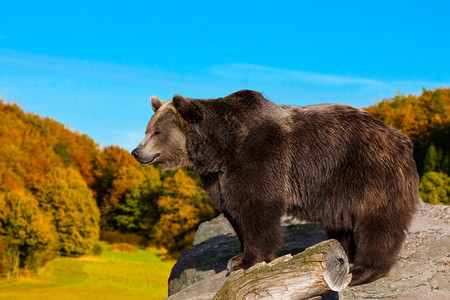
(337, 267)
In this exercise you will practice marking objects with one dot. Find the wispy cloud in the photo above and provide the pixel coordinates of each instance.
(294, 86)
(281, 85)
(269, 74)
(215, 77)
(87, 68)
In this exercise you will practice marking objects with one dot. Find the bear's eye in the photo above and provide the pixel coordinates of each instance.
(156, 133)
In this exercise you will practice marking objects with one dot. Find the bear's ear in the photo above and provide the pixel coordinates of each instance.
(156, 103)
(188, 109)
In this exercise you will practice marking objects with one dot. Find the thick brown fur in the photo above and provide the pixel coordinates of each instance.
(330, 164)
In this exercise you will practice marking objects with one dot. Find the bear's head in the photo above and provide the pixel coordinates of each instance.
(165, 136)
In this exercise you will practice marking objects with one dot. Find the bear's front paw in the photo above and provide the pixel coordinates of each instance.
(362, 274)
(235, 263)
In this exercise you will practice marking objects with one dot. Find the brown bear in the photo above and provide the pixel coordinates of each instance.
(330, 164)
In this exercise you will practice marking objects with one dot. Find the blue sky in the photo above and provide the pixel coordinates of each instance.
(94, 64)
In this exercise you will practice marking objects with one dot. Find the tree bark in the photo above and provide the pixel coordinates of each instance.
(318, 270)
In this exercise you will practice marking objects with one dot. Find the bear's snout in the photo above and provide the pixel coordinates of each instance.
(144, 159)
(135, 153)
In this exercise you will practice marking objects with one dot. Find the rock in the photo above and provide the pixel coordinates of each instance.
(210, 229)
(215, 242)
(202, 261)
(421, 271)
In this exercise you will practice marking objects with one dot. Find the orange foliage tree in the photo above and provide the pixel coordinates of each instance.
(425, 119)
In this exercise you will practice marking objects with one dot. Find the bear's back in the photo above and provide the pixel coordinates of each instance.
(341, 154)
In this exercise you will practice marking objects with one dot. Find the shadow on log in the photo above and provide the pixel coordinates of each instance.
(318, 270)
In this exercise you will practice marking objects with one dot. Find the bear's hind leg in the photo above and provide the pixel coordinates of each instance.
(378, 241)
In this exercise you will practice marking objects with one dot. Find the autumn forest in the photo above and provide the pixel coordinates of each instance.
(60, 192)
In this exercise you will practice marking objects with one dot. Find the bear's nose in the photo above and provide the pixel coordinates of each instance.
(135, 153)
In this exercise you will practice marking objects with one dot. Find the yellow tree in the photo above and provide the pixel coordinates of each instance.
(435, 188)
(67, 198)
(26, 235)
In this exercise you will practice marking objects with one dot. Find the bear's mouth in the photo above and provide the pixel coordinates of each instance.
(150, 159)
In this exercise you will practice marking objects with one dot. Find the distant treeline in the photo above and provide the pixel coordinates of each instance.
(59, 190)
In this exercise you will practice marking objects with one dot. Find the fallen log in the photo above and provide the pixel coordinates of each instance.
(318, 270)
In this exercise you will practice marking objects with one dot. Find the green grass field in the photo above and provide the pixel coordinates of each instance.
(111, 276)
